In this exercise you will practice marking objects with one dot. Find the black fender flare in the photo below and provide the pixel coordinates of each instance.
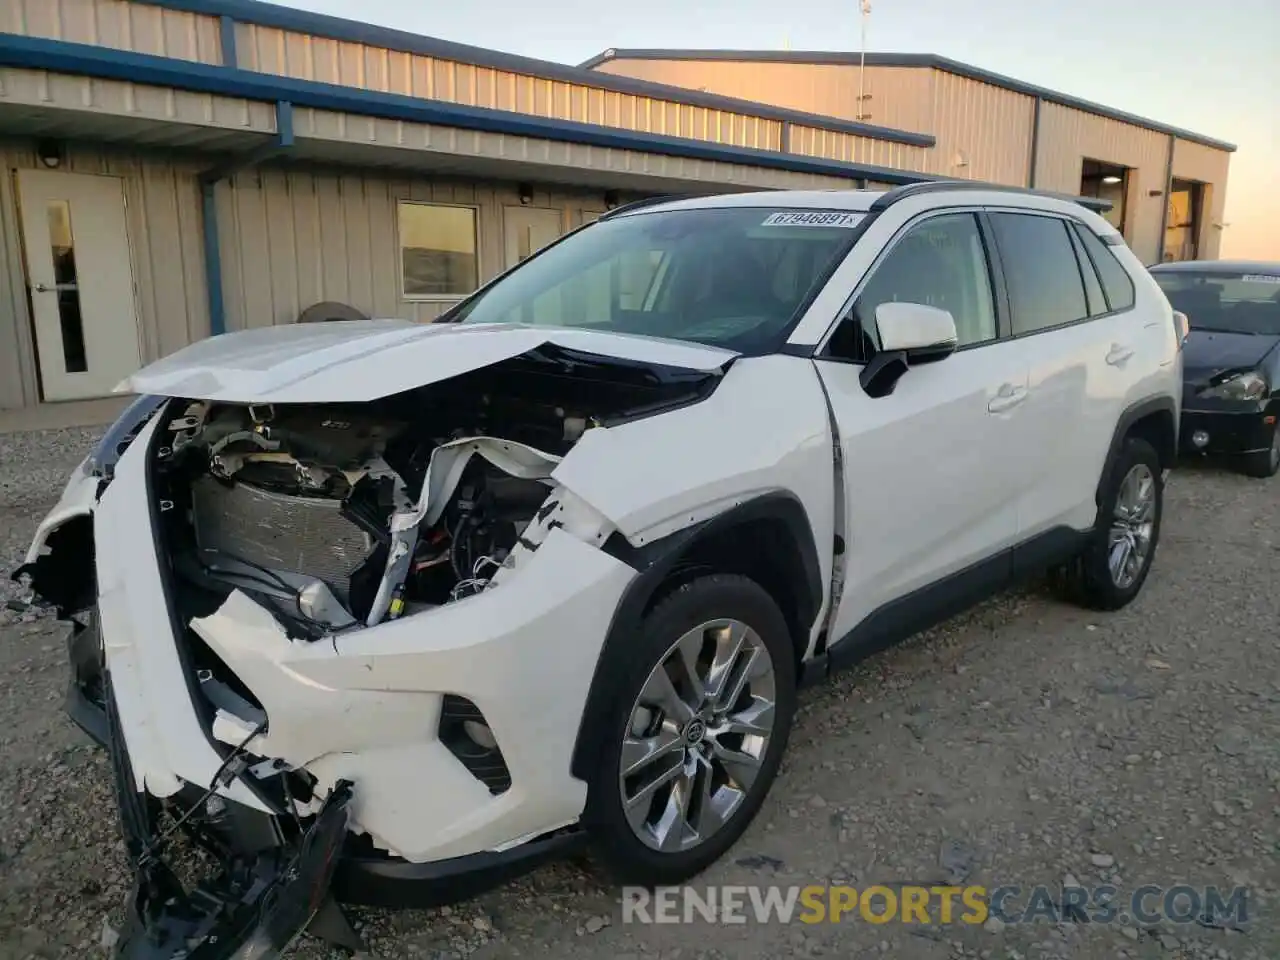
(655, 562)
(1131, 415)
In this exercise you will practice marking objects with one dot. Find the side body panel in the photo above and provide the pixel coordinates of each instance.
(766, 429)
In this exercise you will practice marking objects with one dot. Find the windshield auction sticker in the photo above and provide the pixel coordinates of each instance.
(810, 218)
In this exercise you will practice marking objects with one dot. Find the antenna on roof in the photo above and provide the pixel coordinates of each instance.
(863, 112)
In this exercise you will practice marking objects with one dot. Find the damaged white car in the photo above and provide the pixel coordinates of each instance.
(373, 610)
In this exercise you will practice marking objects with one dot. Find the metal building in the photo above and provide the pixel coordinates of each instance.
(179, 168)
(1167, 185)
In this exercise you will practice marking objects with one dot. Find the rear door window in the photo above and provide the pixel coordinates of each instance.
(1041, 272)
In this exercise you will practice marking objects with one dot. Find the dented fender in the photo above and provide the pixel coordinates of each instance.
(59, 561)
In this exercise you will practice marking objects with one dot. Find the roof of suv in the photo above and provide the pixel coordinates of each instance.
(862, 201)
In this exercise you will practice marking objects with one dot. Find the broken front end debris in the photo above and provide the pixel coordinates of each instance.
(270, 880)
(273, 601)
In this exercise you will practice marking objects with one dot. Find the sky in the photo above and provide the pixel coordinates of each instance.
(1213, 68)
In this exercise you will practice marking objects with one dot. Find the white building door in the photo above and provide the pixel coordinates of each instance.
(528, 229)
(81, 282)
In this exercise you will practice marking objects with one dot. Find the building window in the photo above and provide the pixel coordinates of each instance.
(437, 250)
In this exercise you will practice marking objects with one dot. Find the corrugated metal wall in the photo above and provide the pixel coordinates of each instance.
(293, 238)
(118, 24)
(983, 131)
(163, 210)
(900, 96)
(1068, 136)
(1194, 161)
(301, 56)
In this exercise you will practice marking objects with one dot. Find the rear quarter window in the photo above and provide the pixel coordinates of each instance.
(1115, 279)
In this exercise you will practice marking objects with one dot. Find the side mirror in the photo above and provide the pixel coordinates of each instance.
(923, 333)
(910, 333)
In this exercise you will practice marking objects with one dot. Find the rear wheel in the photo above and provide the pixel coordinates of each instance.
(1264, 463)
(697, 733)
(1114, 565)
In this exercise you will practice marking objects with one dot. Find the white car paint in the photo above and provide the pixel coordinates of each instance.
(954, 466)
(361, 360)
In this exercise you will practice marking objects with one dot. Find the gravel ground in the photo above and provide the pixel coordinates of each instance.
(1025, 743)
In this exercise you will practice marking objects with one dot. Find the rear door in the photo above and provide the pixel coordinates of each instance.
(1078, 353)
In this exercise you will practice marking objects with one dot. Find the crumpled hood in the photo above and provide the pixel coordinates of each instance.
(357, 361)
(1209, 352)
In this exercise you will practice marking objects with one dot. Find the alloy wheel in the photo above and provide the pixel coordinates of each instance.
(1275, 449)
(697, 735)
(1132, 526)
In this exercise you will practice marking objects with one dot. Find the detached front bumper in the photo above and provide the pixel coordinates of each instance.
(1226, 428)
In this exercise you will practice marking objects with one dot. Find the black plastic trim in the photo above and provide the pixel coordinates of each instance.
(1128, 418)
(398, 884)
(655, 562)
(924, 608)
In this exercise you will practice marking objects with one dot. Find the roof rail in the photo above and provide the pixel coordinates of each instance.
(645, 202)
(1096, 204)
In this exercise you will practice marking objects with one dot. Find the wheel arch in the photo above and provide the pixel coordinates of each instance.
(1154, 420)
(785, 563)
(62, 574)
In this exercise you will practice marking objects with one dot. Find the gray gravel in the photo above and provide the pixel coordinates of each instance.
(1023, 743)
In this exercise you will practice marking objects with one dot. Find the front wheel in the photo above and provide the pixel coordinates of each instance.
(695, 739)
(1115, 563)
(1264, 463)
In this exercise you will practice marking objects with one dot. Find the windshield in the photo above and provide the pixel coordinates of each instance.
(1226, 302)
(732, 277)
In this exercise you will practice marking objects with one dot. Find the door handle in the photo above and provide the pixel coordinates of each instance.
(1119, 354)
(53, 287)
(1007, 397)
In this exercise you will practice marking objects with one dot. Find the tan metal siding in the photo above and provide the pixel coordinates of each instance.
(1068, 136)
(1194, 161)
(647, 169)
(832, 145)
(304, 57)
(983, 131)
(163, 213)
(114, 99)
(293, 238)
(119, 24)
(900, 97)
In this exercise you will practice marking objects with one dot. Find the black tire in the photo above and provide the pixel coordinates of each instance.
(1265, 463)
(613, 841)
(1089, 581)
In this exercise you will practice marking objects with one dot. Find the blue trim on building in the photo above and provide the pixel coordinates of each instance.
(209, 181)
(227, 36)
(212, 258)
(87, 60)
(945, 64)
(339, 28)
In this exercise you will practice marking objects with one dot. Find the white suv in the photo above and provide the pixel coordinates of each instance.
(430, 600)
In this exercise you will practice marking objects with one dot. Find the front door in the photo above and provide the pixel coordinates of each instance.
(932, 471)
(81, 282)
(528, 229)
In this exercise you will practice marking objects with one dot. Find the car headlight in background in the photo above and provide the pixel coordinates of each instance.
(1250, 385)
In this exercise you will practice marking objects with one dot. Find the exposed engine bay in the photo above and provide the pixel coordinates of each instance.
(338, 517)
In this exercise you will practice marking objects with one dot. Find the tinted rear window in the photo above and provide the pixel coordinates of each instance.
(1041, 271)
(1228, 302)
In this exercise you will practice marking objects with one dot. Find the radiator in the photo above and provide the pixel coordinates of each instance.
(307, 536)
